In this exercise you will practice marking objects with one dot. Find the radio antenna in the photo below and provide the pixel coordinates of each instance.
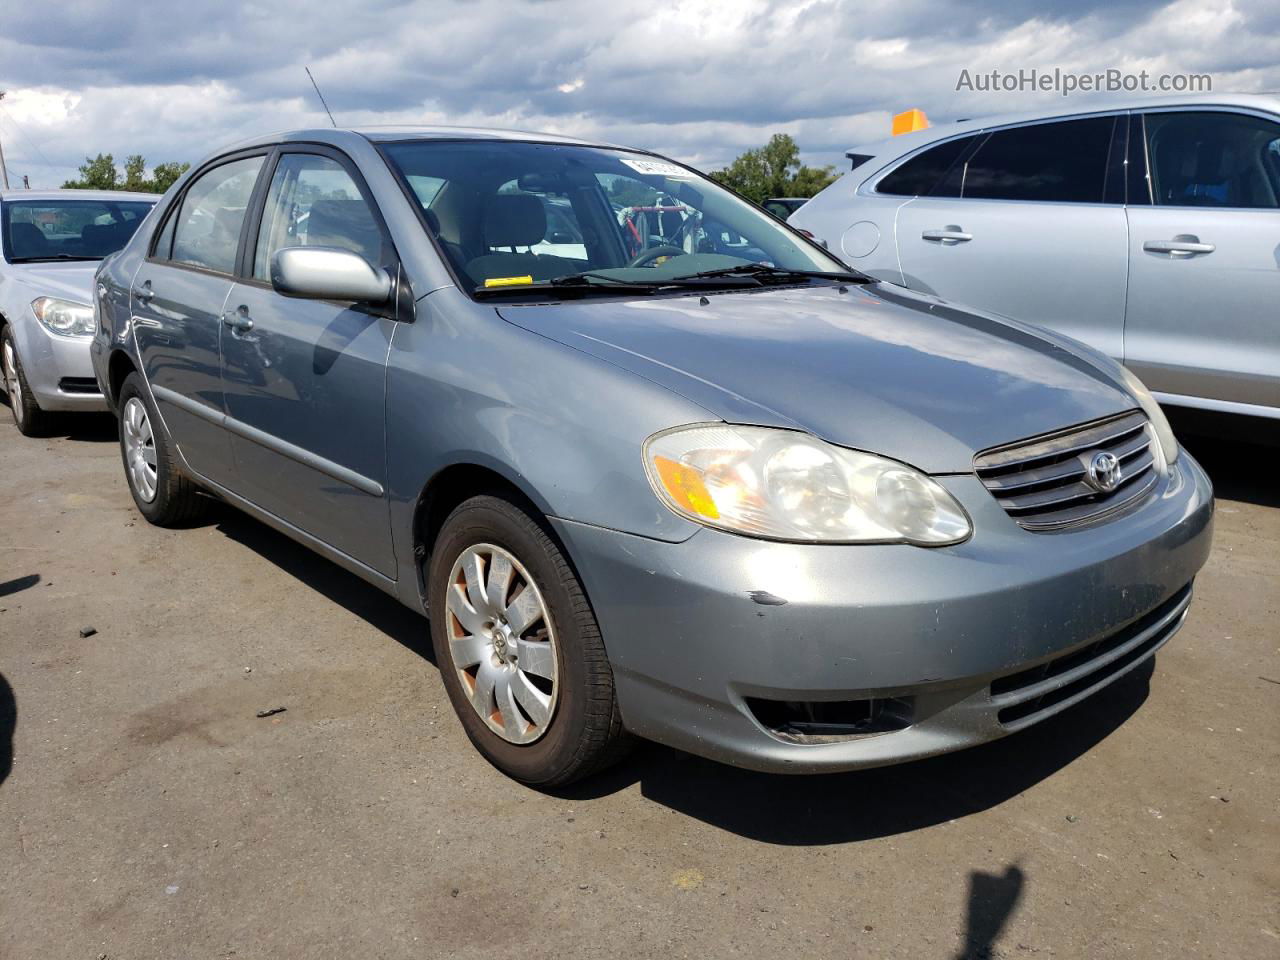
(321, 96)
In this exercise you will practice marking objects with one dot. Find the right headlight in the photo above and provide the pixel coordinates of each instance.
(1167, 442)
(785, 485)
(66, 318)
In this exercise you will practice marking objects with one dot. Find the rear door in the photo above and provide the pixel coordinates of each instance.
(177, 303)
(1204, 258)
(1029, 222)
(305, 380)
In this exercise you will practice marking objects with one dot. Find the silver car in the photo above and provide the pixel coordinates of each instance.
(1149, 231)
(692, 481)
(51, 242)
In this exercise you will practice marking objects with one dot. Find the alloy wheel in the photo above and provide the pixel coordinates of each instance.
(139, 449)
(12, 385)
(502, 643)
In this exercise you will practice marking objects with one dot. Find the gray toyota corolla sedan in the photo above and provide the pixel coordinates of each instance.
(653, 462)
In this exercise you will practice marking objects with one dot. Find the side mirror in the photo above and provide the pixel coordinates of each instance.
(328, 273)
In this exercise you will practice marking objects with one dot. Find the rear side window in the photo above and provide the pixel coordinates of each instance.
(919, 175)
(1047, 162)
(313, 202)
(207, 228)
(1212, 159)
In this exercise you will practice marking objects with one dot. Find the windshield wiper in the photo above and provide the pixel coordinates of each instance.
(695, 280)
(762, 271)
(590, 282)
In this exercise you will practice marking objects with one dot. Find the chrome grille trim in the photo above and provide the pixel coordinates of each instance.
(1043, 482)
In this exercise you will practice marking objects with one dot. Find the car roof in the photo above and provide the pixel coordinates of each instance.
(77, 195)
(340, 136)
(891, 147)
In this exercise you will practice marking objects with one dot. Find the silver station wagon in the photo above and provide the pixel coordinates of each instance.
(1148, 230)
(653, 463)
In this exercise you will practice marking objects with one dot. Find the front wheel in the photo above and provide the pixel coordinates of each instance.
(519, 648)
(161, 491)
(30, 420)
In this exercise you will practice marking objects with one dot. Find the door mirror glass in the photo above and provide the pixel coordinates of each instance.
(328, 273)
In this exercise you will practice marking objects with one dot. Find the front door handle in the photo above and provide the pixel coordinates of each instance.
(1180, 247)
(949, 235)
(238, 320)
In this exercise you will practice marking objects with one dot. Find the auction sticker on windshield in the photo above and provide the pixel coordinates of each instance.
(656, 168)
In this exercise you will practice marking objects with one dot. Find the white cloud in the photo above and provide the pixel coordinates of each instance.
(699, 80)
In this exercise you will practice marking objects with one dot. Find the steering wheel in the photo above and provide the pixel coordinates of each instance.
(653, 253)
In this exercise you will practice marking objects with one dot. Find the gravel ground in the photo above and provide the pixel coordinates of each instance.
(149, 812)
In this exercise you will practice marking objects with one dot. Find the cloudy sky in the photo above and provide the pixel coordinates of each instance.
(697, 80)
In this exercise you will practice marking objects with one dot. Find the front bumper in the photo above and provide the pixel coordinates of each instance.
(700, 632)
(59, 370)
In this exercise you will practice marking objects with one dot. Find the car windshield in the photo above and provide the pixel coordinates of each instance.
(513, 215)
(36, 230)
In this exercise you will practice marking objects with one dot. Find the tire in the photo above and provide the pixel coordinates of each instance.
(162, 492)
(30, 420)
(582, 730)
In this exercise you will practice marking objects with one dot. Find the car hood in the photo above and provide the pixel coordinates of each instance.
(876, 368)
(68, 280)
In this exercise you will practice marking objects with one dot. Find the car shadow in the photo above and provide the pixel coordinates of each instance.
(1234, 451)
(366, 601)
(816, 810)
(771, 808)
(8, 723)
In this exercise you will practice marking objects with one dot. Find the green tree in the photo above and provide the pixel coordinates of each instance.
(163, 175)
(96, 174)
(775, 170)
(100, 173)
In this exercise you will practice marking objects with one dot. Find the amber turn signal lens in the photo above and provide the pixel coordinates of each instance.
(685, 487)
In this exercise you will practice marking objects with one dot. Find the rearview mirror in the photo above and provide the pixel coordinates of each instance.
(328, 273)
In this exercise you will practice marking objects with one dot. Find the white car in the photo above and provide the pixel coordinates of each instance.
(1149, 230)
(52, 242)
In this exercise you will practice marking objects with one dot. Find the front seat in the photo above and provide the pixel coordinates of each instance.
(27, 240)
(514, 220)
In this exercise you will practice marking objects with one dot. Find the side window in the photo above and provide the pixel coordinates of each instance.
(1046, 162)
(313, 202)
(1213, 159)
(919, 175)
(207, 228)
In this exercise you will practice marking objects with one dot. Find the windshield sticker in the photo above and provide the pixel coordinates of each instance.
(657, 168)
(507, 281)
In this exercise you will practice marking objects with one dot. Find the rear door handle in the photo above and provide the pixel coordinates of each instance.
(144, 293)
(948, 235)
(1180, 247)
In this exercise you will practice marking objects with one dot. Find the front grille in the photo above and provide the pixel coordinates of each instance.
(1031, 695)
(1044, 483)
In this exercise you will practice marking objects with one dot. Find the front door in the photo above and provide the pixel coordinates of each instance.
(178, 297)
(305, 380)
(1022, 226)
(1203, 318)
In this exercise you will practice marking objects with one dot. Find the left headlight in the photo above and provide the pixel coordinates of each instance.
(64, 317)
(1159, 422)
(784, 485)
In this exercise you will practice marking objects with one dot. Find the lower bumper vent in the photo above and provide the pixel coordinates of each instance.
(832, 721)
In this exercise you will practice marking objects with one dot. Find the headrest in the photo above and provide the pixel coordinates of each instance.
(29, 236)
(514, 220)
(345, 223)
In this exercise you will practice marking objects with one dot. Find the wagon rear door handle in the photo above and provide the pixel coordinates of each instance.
(949, 235)
(1180, 247)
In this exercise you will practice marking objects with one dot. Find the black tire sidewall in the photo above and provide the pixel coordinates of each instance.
(489, 519)
(158, 509)
(34, 420)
